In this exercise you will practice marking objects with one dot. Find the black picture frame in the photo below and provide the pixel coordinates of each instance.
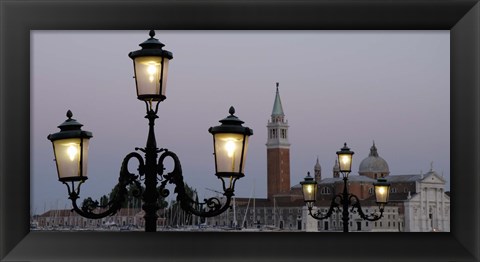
(17, 243)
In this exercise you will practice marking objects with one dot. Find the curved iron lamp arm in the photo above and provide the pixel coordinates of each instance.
(333, 205)
(209, 208)
(356, 205)
(126, 178)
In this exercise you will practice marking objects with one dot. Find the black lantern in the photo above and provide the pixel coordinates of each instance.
(151, 68)
(382, 191)
(345, 160)
(309, 188)
(230, 144)
(70, 147)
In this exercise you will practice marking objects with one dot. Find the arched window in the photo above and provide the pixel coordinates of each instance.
(325, 191)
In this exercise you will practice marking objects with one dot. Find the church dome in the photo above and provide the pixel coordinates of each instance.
(373, 163)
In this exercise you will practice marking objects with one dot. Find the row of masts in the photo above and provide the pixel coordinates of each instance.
(174, 216)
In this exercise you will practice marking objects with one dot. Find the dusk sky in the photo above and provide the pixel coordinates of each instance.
(391, 87)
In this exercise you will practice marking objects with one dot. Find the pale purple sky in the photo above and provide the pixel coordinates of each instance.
(336, 86)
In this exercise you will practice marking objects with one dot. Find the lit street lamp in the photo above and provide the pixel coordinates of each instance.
(345, 199)
(230, 140)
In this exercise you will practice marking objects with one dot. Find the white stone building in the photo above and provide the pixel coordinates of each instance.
(428, 209)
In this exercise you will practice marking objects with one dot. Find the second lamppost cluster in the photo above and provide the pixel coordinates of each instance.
(342, 201)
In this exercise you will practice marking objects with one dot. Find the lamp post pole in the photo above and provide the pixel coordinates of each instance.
(345, 213)
(150, 196)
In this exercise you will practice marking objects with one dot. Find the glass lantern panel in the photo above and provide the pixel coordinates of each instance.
(345, 162)
(85, 156)
(381, 193)
(68, 156)
(228, 152)
(309, 192)
(148, 73)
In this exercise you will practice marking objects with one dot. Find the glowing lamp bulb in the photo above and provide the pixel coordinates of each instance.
(230, 147)
(381, 191)
(309, 189)
(72, 152)
(151, 70)
(345, 159)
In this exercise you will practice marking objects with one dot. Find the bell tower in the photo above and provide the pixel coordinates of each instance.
(278, 151)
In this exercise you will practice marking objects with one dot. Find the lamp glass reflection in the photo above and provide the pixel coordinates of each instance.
(309, 192)
(228, 152)
(151, 83)
(68, 157)
(381, 193)
(345, 162)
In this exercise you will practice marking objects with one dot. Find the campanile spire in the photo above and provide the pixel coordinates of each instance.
(277, 111)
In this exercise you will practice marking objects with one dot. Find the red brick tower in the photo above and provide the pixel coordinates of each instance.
(278, 152)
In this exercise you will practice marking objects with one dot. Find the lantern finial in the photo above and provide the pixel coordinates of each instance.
(69, 114)
(152, 33)
(231, 111)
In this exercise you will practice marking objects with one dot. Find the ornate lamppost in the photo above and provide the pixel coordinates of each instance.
(230, 140)
(345, 199)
